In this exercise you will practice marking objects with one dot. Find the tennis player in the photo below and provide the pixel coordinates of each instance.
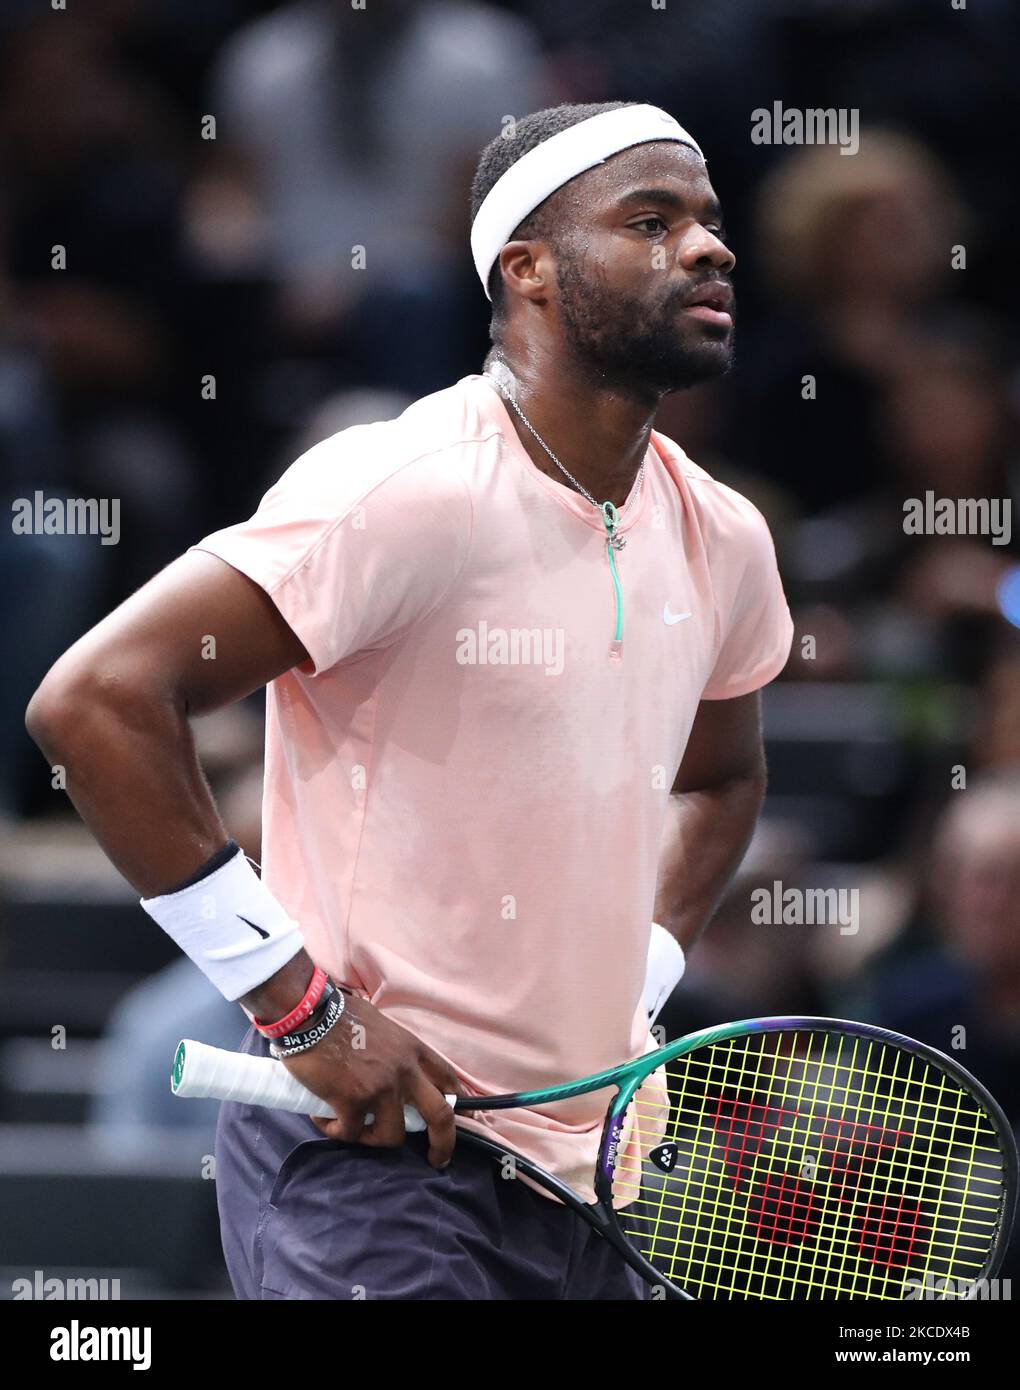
(497, 633)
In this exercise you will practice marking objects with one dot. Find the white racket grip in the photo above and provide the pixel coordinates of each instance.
(201, 1071)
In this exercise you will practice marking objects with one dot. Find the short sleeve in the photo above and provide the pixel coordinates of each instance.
(353, 548)
(755, 627)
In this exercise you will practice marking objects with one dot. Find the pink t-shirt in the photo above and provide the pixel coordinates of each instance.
(465, 788)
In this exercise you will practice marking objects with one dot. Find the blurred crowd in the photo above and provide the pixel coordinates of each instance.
(229, 229)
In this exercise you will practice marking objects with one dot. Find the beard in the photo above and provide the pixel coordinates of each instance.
(638, 345)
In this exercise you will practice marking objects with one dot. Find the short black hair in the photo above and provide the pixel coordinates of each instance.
(505, 150)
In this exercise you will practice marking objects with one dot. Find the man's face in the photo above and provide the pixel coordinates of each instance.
(642, 242)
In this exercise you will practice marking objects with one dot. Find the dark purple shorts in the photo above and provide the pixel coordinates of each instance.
(307, 1217)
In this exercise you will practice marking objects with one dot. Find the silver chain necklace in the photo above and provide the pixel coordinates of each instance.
(610, 516)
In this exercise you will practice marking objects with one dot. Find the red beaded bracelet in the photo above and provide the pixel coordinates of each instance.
(305, 1007)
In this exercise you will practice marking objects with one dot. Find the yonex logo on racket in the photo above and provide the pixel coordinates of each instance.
(612, 1152)
(664, 1156)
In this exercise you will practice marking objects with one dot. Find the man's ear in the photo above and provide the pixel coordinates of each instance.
(526, 268)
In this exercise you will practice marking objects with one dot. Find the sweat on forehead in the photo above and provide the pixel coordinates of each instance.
(642, 167)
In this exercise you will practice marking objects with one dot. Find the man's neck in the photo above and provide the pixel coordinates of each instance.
(599, 433)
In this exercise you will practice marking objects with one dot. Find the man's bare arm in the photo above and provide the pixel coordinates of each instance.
(115, 710)
(718, 794)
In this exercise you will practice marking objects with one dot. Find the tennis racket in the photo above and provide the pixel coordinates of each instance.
(774, 1158)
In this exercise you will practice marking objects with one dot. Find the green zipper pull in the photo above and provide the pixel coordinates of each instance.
(611, 517)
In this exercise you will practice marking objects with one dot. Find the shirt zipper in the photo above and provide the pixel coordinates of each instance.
(611, 518)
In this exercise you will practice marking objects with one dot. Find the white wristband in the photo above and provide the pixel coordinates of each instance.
(663, 971)
(230, 925)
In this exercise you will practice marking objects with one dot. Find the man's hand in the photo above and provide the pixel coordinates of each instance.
(368, 1063)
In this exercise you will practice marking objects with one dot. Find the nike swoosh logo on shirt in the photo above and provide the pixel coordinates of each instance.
(261, 930)
(670, 618)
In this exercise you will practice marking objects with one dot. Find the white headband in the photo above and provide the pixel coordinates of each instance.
(553, 163)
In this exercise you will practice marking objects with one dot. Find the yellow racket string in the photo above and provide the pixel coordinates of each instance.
(662, 1205)
(661, 1208)
(808, 1164)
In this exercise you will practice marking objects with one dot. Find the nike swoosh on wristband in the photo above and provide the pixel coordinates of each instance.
(261, 930)
(670, 618)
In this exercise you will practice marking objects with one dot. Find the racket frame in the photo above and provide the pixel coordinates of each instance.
(603, 1216)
